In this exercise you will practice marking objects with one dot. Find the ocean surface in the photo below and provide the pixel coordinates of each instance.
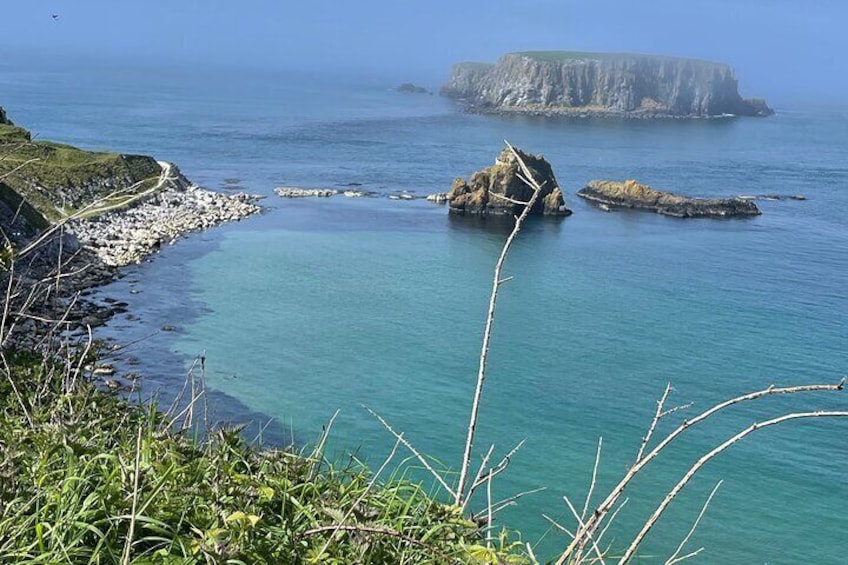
(321, 305)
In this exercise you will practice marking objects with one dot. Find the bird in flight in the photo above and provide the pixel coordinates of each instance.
(55, 16)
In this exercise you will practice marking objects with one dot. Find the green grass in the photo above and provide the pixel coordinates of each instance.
(86, 477)
(58, 179)
(13, 134)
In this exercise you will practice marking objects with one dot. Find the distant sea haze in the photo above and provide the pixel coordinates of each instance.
(326, 304)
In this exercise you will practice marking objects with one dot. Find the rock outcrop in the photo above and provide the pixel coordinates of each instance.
(410, 88)
(631, 194)
(3, 119)
(601, 84)
(489, 192)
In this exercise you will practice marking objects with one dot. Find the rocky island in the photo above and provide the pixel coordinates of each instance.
(631, 194)
(497, 190)
(574, 84)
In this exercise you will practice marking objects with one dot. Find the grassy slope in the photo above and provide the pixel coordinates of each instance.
(58, 179)
(81, 469)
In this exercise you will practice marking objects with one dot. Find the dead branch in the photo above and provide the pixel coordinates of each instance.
(657, 417)
(582, 536)
(487, 332)
(707, 457)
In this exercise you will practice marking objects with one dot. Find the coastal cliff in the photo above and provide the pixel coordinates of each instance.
(632, 194)
(496, 190)
(602, 84)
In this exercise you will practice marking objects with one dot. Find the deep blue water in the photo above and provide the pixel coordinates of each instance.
(319, 305)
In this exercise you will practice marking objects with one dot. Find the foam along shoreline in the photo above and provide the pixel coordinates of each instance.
(173, 208)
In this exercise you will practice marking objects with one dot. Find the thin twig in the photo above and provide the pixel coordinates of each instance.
(414, 451)
(318, 453)
(594, 479)
(675, 556)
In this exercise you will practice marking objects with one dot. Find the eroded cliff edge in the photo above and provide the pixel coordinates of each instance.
(602, 84)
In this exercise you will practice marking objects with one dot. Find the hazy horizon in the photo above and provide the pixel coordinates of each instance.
(780, 50)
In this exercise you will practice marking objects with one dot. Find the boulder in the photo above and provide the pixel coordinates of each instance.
(497, 190)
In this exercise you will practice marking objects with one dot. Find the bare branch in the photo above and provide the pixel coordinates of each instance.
(603, 509)
(706, 458)
(654, 422)
(582, 526)
(487, 332)
(507, 198)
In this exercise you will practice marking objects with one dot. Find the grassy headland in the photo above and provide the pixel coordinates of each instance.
(58, 180)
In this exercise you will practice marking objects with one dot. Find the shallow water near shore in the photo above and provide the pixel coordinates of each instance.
(326, 304)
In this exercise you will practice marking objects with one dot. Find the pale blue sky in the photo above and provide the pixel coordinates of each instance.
(790, 48)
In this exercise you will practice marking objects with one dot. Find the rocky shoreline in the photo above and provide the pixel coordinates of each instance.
(55, 282)
(583, 113)
(128, 236)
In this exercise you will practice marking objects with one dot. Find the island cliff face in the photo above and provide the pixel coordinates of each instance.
(495, 190)
(601, 84)
(631, 194)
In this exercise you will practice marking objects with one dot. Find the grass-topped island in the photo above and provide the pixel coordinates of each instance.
(582, 84)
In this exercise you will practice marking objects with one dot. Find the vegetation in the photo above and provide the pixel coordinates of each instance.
(86, 477)
(89, 477)
(58, 180)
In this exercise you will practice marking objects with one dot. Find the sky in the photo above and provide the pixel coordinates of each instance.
(779, 48)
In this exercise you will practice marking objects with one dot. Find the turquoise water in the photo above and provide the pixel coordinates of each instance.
(319, 305)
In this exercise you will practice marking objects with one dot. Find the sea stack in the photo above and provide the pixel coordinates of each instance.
(601, 85)
(497, 190)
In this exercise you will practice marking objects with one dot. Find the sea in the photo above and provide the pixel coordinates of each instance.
(338, 306)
